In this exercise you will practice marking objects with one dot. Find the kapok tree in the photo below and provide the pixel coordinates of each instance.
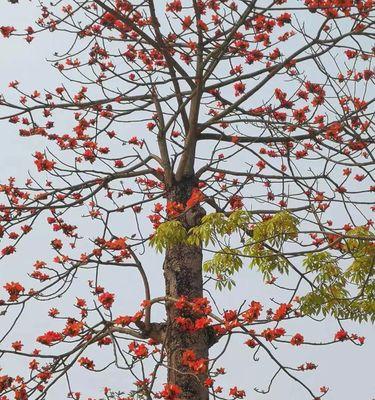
(223, 135)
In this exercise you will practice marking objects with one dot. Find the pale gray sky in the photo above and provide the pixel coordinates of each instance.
(346, 369)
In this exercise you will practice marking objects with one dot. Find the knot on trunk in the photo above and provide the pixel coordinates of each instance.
(194, 215)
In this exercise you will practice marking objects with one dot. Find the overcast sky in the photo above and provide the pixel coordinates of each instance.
(348, 370)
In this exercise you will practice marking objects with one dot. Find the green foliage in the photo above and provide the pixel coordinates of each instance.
(168, 234)
(267, 235)
(276, 230)
(266, 260)
(324, 264)
(360, 242)
(330, 285)
(224, 264)
(217, 224)
(349, 293)
(344, 292)
(362, 250)
(204, 233)
(226, 261)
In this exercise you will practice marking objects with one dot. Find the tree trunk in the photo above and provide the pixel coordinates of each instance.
(183, 277)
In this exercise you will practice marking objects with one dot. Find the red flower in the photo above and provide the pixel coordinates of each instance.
(185, 324)
(170, 392)
(151, 126)
(239, 88)
(174, 209)
(53, 312)
(253, 312)
(108, 19)
(116, 244)
(186, 23)
(261, 164)
(56, 244)
(308, 366)
(123, 320)
(42, 163)
(341, 335)
(208, 382)
(72, 328)
(107, 300)
(300, 114)
(201, 323)
(297, 339)
(89, 155)
(119, 163)
(359, 177)
(230, 315)
(272, 334)
(8, 250)
(285, 18)
(251, 343)
(236, 393)
(6, 31)
(139, 349)
(17, 346)
(281, 312)
(198, 365)
(236, 202)
(20, 394)
(350, 53)
(202, 25)
(195, 198)
(86, 362)
(174, 6)
(49, 337)
(14, 289)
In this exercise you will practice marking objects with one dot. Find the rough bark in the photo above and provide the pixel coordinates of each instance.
(183, 277)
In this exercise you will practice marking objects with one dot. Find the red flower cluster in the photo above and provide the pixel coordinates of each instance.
(272, 334)
(5, 382)
(86, 362)
(297, 339)
(14, 290)
(341, 335)
(125, 320)
(253, 313)
(8, 250)
(170, 392)
(237, 393)
(307, 366)
(231, 320)
(17, 345)
(116, 244)
(239, 88)
(138, 349)
(49, 337)
(198, 365)
(73, 327)
(174, 6)
(106, 299)
(6, 31)
(281, 312)
(195, 198)
(198, 308)
(174, 209)
(187, 324)
(236, 202)
(42, 163)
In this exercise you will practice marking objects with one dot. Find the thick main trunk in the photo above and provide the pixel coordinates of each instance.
(183, 277)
